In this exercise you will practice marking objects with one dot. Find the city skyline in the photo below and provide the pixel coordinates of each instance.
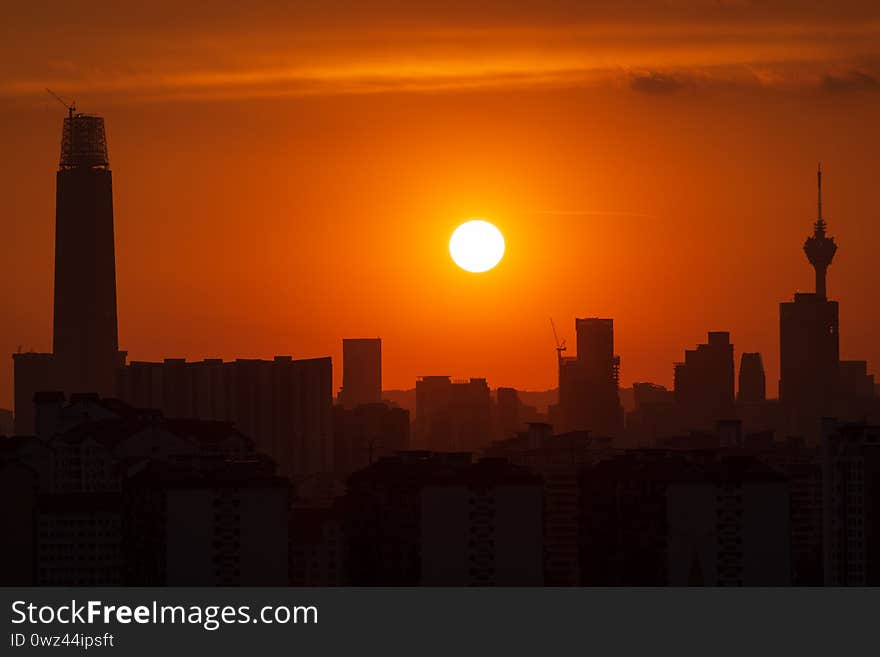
(526, 294)
(634, 378)
(635, 175)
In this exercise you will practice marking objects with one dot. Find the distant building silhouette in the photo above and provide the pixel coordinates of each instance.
(109, 494)
(508, 411)
(366, 433)
(361, 372)
(704, 382)
(452, 416)
(589, 398)
(94, 439)
(809, 353)
(80, 540)
(851, 497)
(284, 404)
(651, 394)
(221, 527)
(655, 415)
(802, 466)
(439, 519)
(18, 516)
(33, 372)
(809, 347)
(317, 547)
(653, 518)
(7, 422)
(752, 387)
(854, 382)
(557, 459)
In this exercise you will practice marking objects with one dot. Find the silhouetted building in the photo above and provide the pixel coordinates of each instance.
(507, 412)
(363, 434)
(227, 526)
(452, 415)
(285, 405)
(851, 497)
(7, 422)
(79, 540)
(85, 342)
(85, 445)
(653, 417)
(728, 525)
(18, 516)
(441, 520)
(54, 415)
(317, 547)
(809, 347)
(651, 394)
(653, 518)
(704, 382)
(752, 382)
(589, 399)
(361, 372)
(853, 381)
(33, 373)
(557, 459)
(809, 353)
(802, 466)
(35, 455)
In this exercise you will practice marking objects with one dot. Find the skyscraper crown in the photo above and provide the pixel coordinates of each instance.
(83, 142)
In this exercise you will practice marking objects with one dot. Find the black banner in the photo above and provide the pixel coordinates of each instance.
(412, 621)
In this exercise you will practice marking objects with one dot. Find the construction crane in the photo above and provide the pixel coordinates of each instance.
(560, 346)
(71, 107)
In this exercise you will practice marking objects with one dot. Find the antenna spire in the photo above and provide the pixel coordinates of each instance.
(820, 222)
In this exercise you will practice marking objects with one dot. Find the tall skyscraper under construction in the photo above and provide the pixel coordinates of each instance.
(85, 339)
(85, 343)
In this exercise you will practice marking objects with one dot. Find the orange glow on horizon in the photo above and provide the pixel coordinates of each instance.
(280, 185)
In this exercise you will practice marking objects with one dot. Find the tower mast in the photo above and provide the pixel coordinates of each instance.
(820, 248)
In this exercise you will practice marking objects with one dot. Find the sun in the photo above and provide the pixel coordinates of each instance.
(476, 246)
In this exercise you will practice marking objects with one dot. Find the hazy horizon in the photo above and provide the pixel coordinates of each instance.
(284, 178)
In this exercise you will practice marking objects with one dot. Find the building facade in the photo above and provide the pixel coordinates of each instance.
(361, 372)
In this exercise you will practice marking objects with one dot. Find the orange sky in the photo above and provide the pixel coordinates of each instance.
(286, 178)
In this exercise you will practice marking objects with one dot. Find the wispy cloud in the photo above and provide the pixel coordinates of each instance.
(654, 59)
(594, 213)
(654, 83)
(851, 81)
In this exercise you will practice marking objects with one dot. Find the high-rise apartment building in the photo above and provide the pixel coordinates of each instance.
(361, 372)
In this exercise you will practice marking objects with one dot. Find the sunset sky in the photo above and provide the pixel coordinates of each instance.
(286, 177)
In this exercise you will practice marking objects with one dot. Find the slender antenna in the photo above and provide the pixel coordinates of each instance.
(819, 226)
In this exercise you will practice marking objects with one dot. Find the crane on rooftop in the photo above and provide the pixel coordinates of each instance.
(560, 346)
(71, 106)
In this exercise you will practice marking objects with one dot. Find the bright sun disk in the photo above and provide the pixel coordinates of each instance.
(476, 246)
